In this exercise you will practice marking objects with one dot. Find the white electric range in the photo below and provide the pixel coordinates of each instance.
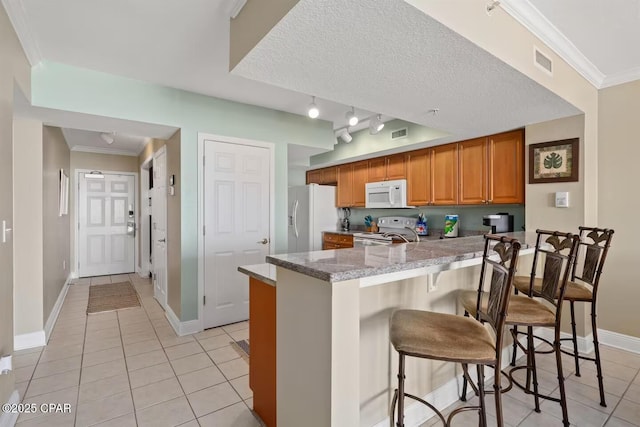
(387, 224)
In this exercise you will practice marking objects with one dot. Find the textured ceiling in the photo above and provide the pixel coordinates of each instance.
(84, 140)
(387, 56)
(178, 44)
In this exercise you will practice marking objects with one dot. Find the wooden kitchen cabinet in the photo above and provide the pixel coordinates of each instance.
(352, 178)
(492, 169)
(444, 174)
(506, 167)
(324, 176)
(418, 165)
(336, 241)
(473, 172)
(387, 168)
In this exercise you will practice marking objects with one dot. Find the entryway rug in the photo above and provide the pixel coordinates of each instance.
(242, 348)
(112, 296)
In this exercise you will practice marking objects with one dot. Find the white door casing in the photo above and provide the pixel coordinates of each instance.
(104, 246)
(159, 226)
(236, 225)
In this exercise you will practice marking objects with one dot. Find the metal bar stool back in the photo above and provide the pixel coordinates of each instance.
(460, 339)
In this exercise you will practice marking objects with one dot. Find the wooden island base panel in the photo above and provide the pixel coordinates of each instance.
(262, 339)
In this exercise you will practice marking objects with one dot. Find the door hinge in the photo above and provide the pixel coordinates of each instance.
(204, 300)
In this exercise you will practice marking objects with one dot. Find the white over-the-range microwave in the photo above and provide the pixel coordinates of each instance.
(386, 194)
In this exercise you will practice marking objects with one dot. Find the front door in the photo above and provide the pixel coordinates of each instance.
(159, 226)
(237, 222)
(105, 204)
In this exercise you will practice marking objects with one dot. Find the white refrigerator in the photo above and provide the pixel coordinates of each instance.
(312, 210)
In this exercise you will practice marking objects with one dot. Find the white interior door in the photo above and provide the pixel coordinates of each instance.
(236, 221)
(104, 245)
(159, 226)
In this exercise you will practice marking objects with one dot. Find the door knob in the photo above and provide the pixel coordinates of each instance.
(162, 240)
(263, 241)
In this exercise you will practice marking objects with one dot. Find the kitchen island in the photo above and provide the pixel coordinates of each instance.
(335, 366)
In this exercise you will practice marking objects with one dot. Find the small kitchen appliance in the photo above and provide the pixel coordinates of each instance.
(346, 213)
(386, 194)
(451, 225)
(499, 223)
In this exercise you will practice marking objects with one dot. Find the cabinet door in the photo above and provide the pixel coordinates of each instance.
(360, 178)
(473, 172)
(329, 175)
(506, 167)
(377, 169)
(419, 177)
(444, 175)
(344, 193)
(314, 176)
(396, 167)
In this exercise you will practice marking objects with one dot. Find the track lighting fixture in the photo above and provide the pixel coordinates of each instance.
(375, 124)
(344, 135)
(351, 117)
(313, 111)
(108, 137)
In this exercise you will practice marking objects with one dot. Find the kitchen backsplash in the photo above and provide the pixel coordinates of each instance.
(470, 216)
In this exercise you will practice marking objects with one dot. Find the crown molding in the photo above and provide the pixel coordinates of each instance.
(98, 150)
(18, 17)
(534, 21)
(622, 77)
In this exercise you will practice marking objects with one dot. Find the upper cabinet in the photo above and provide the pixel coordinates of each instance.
(444, 175)
(352, 178)
(506, 167)
(487, 170)
(492, 169)
(324, 176)
(387, 168)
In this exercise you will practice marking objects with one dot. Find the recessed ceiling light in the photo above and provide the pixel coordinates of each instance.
(313, 111)
(375, 124)
(351, 117)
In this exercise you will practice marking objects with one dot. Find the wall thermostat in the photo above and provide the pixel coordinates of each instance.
(562, 199)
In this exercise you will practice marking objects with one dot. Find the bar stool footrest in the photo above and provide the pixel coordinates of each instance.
(525, 389)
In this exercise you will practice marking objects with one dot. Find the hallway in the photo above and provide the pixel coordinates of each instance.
(129, 368)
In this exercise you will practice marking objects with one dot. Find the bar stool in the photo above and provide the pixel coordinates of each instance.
(583, 287)
(524, 310)
(459, 339)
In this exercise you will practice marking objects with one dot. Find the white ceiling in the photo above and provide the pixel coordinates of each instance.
(84, 140)
(369, 54)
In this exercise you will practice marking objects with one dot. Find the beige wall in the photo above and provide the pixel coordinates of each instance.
(14, 69)
(57, 229)
(148, 150)
(618, 181)
(93, 161)
(174, 235)
(27, 225)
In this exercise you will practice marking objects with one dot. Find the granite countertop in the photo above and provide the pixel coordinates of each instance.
(359, 262)
(264, 272)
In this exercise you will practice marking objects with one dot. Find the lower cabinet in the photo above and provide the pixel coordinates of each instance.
(336, 241)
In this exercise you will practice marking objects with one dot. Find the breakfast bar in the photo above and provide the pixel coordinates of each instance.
(334, 362)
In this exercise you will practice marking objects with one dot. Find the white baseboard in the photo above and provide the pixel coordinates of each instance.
(182, 328)
(53, 316)
(8, 419)
(623, 342)
(30, 340)
(585, 344)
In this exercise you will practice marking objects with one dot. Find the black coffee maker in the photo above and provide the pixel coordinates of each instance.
(499, 223)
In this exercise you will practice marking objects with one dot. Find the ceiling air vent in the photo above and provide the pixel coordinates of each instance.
(542, 61)
(400, 133)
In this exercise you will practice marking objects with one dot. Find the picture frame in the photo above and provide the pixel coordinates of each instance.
(554, 161)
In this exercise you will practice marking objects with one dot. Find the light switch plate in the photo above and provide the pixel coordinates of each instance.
(562, 199)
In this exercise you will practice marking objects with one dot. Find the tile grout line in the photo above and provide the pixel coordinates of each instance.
(622, 397)
(126, 368)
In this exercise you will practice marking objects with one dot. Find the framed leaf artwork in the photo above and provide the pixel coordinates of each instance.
(555, 161)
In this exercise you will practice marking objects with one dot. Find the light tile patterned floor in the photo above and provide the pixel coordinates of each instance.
(622, 392)
(129, 368)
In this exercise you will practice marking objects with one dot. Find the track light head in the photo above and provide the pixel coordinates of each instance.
(344, 135)
(313, 110)
(351, 117)
(375, 124)
(108, 137)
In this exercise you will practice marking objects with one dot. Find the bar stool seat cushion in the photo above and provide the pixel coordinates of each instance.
(522, 310)
(441, 336)
(575, 291)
